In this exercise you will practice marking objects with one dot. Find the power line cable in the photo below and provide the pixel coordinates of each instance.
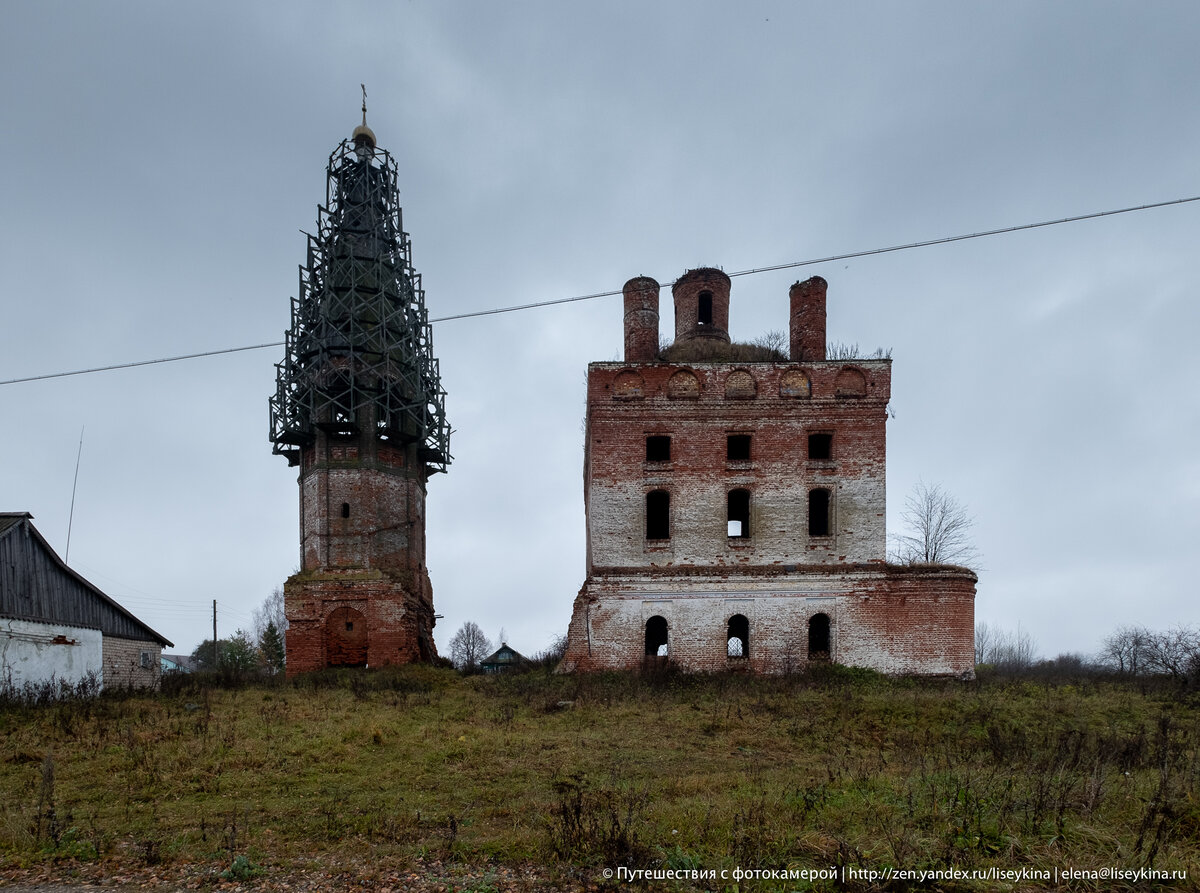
(853, 254)
(944, 240)
(186, 356)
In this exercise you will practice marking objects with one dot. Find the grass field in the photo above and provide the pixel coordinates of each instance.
(574, 775)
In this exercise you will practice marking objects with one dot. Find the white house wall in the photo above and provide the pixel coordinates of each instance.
(32, 654)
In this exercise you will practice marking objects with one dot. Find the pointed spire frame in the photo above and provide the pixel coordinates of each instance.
(359, 351)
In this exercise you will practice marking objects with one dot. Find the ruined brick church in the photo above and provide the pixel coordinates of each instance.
(359, 410)
(735, 505)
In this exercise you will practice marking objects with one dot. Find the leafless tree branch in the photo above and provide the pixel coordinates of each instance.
(938, 530)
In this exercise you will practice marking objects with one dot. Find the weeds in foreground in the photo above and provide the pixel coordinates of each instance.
(612, 769)
(600, 825)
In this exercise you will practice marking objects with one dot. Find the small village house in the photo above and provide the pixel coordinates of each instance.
(58, 629)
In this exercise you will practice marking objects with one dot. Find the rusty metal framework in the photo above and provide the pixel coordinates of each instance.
(359, 353)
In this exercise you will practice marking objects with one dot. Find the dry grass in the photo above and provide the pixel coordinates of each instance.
(707, 772)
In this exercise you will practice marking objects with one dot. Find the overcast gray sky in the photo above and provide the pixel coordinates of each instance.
(160, 160)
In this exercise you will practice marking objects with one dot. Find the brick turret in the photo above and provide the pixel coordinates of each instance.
(807, 320)
(701, 305)
(641, 319)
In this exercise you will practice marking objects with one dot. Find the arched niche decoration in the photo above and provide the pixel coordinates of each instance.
(740, 385)
(628, 385)
(795, 383)
(851, 382)
(683, 385)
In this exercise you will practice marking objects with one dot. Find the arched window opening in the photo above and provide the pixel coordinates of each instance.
(818, 637)
(737, 642)
(656, 637)
(345, 510)
(739, 514)
(658, 515)
(704, 309)
(818, 512)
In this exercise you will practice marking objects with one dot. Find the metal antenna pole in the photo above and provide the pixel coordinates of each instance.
(74, 484)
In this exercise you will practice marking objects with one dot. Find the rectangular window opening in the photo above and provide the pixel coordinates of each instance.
(738, 526)
(820, 446)
(738, 448)
(658, 448)
(658, 515)
(818, 513)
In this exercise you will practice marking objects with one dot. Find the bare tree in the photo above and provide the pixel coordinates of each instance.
(553, 653)
(840, 350)
(1010, 652)
(939, 529)
(469, 646)
(1126, 650)
(1173, 651)
(985, 640)
(270, 611)
(1138, 651)
(1015, 652)
(775, 342)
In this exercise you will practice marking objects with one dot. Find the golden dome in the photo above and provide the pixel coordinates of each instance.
(364, 133)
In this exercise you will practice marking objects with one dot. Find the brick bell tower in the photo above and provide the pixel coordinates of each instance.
(359, 409)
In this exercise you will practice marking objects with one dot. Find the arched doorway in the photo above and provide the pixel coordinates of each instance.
(345, 638)
(657, 645)
(656, 636)
(818, 637)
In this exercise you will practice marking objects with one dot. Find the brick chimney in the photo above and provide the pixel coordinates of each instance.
(807, 320)
(641, 320)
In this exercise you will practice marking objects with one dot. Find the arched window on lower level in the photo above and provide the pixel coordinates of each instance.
(818, 637)
(656, 636)
(737, 642)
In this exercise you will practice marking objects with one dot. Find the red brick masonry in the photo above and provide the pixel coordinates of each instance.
(795, 450)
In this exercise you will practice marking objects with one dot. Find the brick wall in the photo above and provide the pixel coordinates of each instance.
(362, 504)
(363, 594)
(784, 576)
(130, 663)
(894, 620)
(628, 403)
(397, 611)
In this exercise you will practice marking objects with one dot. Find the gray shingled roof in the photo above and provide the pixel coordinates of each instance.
(43, 588)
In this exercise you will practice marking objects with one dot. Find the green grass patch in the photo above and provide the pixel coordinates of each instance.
(588, 772)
